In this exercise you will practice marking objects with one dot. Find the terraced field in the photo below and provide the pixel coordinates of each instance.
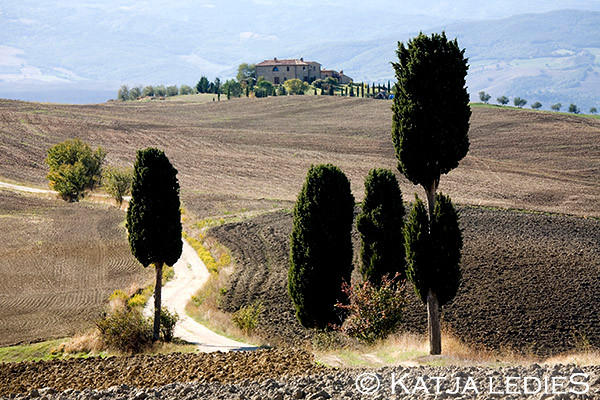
(58, 263)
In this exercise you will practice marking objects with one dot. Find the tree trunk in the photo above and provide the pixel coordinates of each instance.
(430, 191)
(433, 324)
(157, 295)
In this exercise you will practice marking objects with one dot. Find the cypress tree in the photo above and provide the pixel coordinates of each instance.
(380, 225)
(321, 246)
(154, 218)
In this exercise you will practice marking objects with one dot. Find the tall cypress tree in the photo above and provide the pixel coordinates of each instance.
(321, 246)
(380, 224)
(154, 218)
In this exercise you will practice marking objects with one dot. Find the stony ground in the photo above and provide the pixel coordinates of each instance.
(282, 375)
(530, 281)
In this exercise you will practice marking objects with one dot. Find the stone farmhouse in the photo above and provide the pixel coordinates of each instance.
(278, 71)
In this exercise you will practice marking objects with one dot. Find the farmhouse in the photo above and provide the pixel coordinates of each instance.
(278, 71)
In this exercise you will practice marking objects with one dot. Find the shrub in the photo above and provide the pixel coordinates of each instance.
(574, 109)
(247, 317)
(117, 182)
(374, 312)
(74, 168)
(167, 324)
(126, 330)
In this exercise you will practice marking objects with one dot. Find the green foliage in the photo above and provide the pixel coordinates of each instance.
(574, 109)
(172, 91)
(295, 86)
(502, 100)
(117, 182)
(431, 108)
(202, 85)
(233, 88)
(556, 107)
(281, 90)
(135, 93)
(318, 83)
(485, 97)
(375, 311)
(123, 93)
(126, 330)
(537, 105)
(247, 317)
(321, 246)
(519, 102)
(380, 224)
(593, 110)
(246, 73)
(153, 216)
(167, 324)
(148, 91)
(266, 86)
(74, 168)
(160, 90)
(433, 250)
(217, 86)
(185, 90)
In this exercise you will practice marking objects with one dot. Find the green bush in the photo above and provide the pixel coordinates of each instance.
(116, 182)
(374, 311)
(126, 330)
(74, 168)
(247, 317)
(167, 324)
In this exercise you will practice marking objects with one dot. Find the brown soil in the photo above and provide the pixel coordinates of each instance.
(152, 371)
(530, 281)
(59, 262)
(257, 150)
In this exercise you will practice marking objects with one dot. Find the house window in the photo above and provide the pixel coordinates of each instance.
(288, 68)
(275, 69)
(303, 68)
(276, 80)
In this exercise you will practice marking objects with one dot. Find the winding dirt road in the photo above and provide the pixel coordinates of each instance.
(190, 275)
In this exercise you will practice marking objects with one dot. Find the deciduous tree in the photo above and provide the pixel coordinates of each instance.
(519, 102)
(502, 100)
(537, 105)
(483, 96)
(116, 181)
(154, 218)
(556, 107)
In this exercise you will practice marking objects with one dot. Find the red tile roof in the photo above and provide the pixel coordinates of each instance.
(274, 62)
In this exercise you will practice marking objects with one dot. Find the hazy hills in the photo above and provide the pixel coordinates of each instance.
(49, 51)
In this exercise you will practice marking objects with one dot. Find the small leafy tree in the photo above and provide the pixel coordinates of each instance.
(148, 91)
(593, 110)
(321, 246)
(295, 86)
(502, 100)
(380, 224)
(483, 96)
(172, 90)
(117, 182)
(74, 168)
(135, 93)
(574, 109)
(247, 73)
(123, 93)
(266, 86)
(433, 252)
(556, 107)
(519, 102)
(537, 105)
(154, 218)
(160, 90)
(185, 90)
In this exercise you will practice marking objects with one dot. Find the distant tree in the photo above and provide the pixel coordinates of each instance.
(148, 91)
(519, 102)
(574, 109)
(202, 85)
(247, 73)
(593, 110)
(266, 86)
(380, 225)
(217, 86)
(389, 88)
(160, 90)
(556, 107)
(483, 96)
(321, 246)
(537, 105)
(351, 93)
(135, 93)
(318, 83)
(172, 90)
(228, 92)
(233, 87)
(116, 182)
(154, 218)
(502, 100)
(185, 90)
(123, 93)
(362, 89)
(430, 124)
(281, 90)
(295, 86)
(74, 168)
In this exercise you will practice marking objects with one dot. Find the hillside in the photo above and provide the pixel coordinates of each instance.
(254, 153)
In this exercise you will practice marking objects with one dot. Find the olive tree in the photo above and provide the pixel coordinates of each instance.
(430, 124)
(154, 218)
(116, 181)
